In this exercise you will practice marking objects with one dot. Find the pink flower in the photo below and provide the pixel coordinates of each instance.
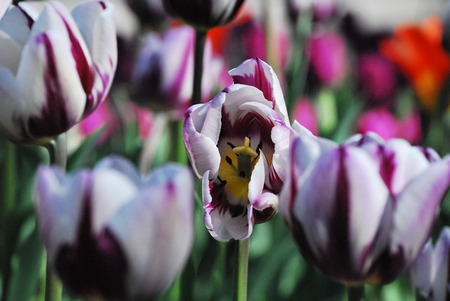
(305, 115)
(377, 77)
(327, 54)
(385, 124)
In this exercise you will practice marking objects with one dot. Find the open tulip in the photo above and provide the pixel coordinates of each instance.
(237, 144)
(362, 211)
(110, 234)
(430, 272)
(203, 13)
(55, 67)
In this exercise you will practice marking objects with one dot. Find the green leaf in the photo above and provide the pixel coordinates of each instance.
(26, 264)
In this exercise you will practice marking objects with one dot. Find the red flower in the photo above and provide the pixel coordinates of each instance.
(418, 53)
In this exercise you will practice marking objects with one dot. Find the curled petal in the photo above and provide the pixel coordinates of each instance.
(202, 150)
(257, 73)
(220, 223)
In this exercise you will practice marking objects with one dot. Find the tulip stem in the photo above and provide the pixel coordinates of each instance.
(240, 270)
(7, 214)
(57, 150)
(200, 39)
(356, 293)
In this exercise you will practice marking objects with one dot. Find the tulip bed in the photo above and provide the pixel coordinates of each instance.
(224, 150)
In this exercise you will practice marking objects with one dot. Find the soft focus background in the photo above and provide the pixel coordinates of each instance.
(345, 69)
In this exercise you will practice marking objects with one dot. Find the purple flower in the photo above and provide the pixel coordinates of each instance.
(362, 211)
(203, 14)
(430, 271)
(110, 234)
(164, 71)
(238, 143)
(55, 67)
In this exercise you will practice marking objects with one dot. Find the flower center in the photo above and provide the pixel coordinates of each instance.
(235, 170)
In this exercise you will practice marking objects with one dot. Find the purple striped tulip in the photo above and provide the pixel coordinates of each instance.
(203, 14)
(111, 234)
(55, 67)
(238, 144)
(164, 71)
(430, 273)
(362, 211)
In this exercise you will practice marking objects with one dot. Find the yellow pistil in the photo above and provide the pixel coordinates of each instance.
(235, 171)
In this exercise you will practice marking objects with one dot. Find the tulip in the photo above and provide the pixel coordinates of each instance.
(203, 14)
(55, 67)
(418, 52)
(430, 273)
(163, 73)
(362, 211)
(327, 54)
(305, 114)
(385, 124)
(110, 234)
(237, 143)
(377, 78)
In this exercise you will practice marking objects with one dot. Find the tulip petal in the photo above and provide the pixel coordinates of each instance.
(202, 150)
(221, 225)
(441, 266)
(156, 230)
(419, 201)
(351, 177)
(421, 271)
(59, 201)
(111, 191)
(95, 20)
(237, 95)
(257, 73)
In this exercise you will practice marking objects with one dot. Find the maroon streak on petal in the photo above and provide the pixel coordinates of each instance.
(259, 80)
(53, 118)
(85, 71)
(95, 264)
(27, 16)
(387, 166)
(338, 252)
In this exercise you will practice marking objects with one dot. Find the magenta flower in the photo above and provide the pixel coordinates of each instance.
(164, 71)
(327, 54)
(377, 78)
(385, 124)
(55, 68)
(362, 211)
(305, 114)
(110, 234)
(203, 14)
(238, 144)
(430, 271)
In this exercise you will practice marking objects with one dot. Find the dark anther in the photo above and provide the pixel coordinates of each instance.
(231, 145)
(229, 161)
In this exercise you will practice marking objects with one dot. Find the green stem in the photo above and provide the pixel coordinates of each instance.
(7, 211)
(241, 270)
(200, 39)
(57, 150)
(356, 293)
(299, 64)
(178, 152)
